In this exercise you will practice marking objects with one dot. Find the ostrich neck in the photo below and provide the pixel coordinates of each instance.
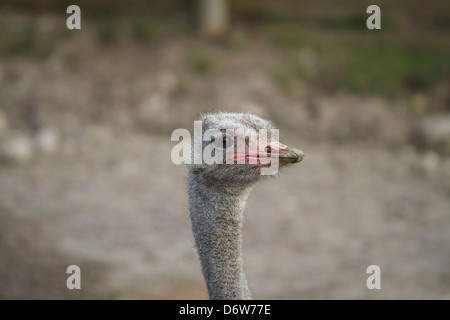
(216, 214)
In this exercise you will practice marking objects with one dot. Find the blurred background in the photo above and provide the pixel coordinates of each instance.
(85, 123)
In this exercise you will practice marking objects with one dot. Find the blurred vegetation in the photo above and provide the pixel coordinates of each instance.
(391, 68)
(145, 27)
(25, 42)
(410, 53)
(202, 62)
(108, 29)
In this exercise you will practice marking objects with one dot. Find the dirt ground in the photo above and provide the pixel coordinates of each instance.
(105, 195)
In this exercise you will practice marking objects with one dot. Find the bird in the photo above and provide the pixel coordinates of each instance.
(217, 195)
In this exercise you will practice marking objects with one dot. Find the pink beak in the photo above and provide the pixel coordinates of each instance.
(272, 152)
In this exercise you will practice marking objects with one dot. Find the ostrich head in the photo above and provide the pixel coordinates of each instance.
(244, 144)
(218, 191)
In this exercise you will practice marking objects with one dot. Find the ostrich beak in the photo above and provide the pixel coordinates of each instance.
(273, 151)
(285, 154)
(290, 155)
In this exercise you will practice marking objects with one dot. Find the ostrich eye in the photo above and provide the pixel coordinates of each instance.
(224, 143)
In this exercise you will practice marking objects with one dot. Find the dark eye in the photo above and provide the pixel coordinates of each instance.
(225, 142)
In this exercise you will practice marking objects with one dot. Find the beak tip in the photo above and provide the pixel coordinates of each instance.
(300, 155)
(291, 155)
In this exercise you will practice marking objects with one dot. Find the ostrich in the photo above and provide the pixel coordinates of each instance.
(217, 196)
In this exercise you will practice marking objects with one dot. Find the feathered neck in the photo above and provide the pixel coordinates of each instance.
(216, 214)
